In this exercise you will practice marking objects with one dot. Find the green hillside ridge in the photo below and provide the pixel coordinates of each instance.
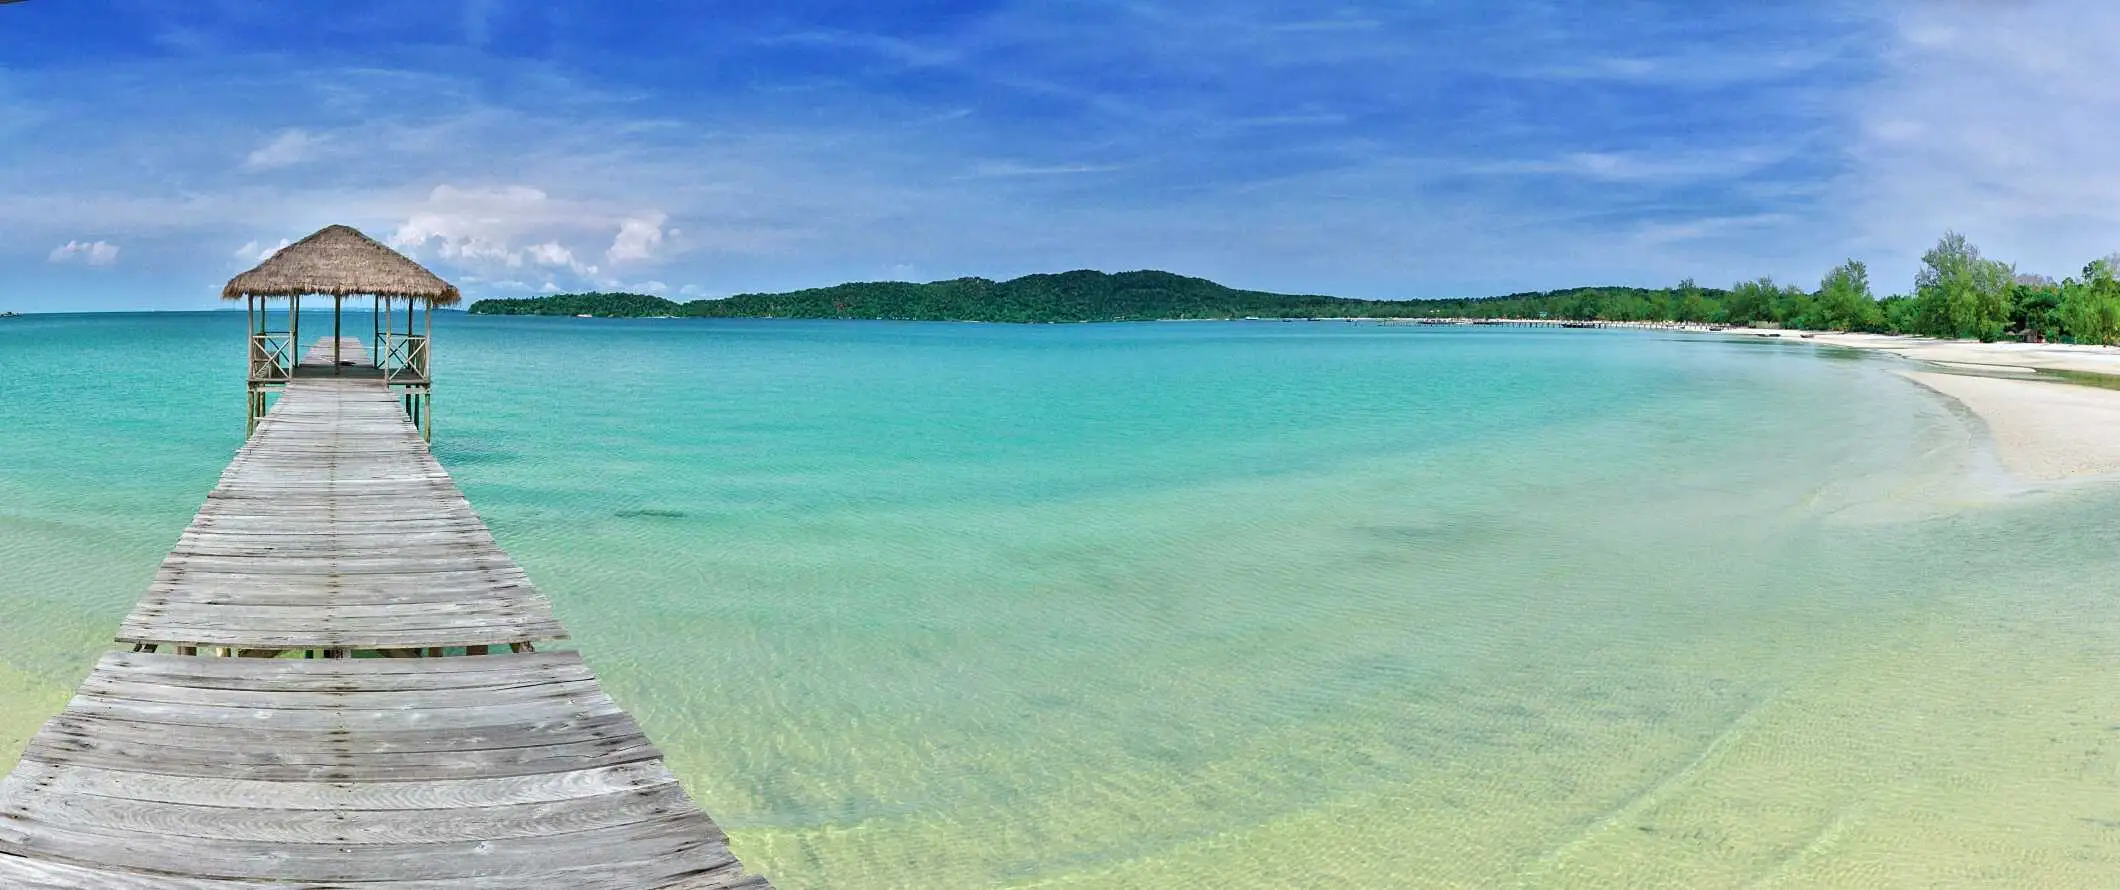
(1096, 296)
(1957, 293)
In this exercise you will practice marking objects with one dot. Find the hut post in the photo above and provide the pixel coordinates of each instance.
(427, 374)
(250, 365)
(338, 308)
(375, 329)
(294, 329)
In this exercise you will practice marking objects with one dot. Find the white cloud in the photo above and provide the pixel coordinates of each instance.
(288, 148)
(551, 253)
(479, 228)
(256, 252)
(1006, 169)
(638, 239)
(470, 222)
(1997, 120)
(652, 287)
(93, 253)
(1664, 166)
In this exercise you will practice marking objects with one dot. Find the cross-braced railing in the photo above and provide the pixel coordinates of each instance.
(403, 357)
(271, 357)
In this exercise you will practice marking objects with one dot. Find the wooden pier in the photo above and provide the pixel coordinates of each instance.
(334, 682)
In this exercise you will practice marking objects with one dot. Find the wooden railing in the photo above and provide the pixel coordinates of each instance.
(271, 357)
(403, 357)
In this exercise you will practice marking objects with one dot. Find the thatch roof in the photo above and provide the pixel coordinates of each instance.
(339, 261)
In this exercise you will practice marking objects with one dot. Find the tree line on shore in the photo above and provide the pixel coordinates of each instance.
(1958, 293)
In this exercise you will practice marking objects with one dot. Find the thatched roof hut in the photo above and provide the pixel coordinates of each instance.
(339, 261)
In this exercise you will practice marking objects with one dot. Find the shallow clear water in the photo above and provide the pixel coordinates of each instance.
(1232, 605)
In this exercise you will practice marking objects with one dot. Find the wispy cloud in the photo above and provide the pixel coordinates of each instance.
(91, 253)
(257, 252)
(1996, 120)
(287, 148)
(1002, 169)
(1674, 164)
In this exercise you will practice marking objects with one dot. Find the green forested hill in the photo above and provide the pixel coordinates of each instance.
(1126, 296)
(1957, 293)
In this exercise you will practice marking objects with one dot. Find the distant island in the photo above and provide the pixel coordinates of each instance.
(1097, 296)
(1958, 294)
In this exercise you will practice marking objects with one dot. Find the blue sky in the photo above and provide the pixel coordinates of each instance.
(1401, 149)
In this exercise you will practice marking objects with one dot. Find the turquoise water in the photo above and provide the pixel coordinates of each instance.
(1231, 605)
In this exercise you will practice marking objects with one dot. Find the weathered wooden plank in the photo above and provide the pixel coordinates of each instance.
(271, 764)
(382, 632)
(326, 720)
(661, 840)
(527, 733)
(347, 796)
(527, 689)
(16, 872)
(296, 826)
(453, 671)
(352, 638)
(363, 594)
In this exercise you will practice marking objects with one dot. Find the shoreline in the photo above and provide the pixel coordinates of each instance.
(2044, 427)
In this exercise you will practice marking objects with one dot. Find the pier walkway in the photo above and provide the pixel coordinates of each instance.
(342, 750)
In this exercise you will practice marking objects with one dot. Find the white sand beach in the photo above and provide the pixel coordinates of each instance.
(1983, 356)
(2044, 430)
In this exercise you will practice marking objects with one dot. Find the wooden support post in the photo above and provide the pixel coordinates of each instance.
(338, 310)
(427, 374)
(474, 650)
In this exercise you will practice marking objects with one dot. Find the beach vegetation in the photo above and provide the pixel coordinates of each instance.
(1690, 303)
(2035, 309)
(2089, 307)
(1959, 293)
(615, 305)
(1845, 303)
